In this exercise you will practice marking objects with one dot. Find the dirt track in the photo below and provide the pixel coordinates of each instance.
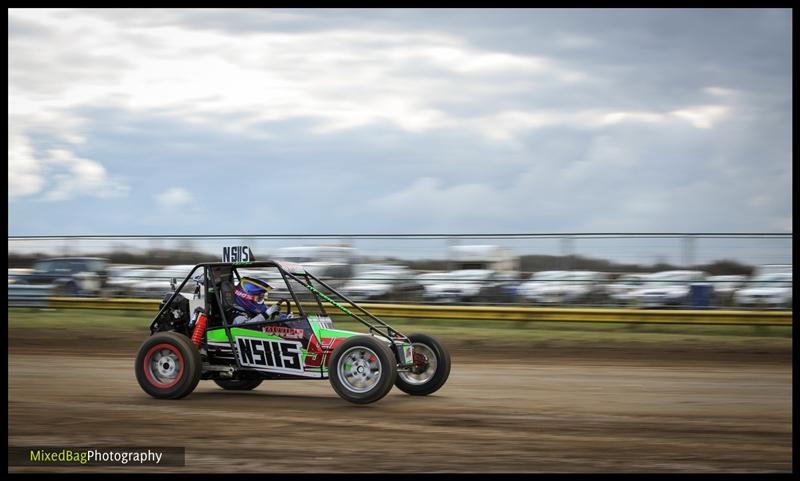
(560, 414)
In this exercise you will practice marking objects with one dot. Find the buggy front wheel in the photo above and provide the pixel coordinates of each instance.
(362, 370)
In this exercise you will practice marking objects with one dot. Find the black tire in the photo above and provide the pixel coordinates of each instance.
(238, 384)
(181, 358)
(432, 382)
(361, 348)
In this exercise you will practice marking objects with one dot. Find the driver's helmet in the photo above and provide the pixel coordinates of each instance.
(250, 294)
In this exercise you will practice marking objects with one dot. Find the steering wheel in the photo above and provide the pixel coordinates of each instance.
(288, 308)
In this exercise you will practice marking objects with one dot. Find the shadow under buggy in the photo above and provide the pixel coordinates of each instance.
(193, 337)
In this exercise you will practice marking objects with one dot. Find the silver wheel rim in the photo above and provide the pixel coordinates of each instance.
(427, 374)
(359, 369)
(164, 366)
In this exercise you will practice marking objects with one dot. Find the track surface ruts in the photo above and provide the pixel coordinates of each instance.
(562, 414)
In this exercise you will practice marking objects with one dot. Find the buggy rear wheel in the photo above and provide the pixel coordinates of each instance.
(362, 370)
(168, 366)
(431, 367)
(238, 384)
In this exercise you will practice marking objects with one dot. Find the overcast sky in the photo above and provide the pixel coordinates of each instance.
(384, 121)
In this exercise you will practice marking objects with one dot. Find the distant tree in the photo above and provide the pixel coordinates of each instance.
(661, 266)
(528, 263)
(726, 267)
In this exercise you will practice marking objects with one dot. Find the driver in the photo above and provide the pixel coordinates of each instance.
(249, 301)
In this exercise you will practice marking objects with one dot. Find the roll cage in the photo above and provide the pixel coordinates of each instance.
(215, 276)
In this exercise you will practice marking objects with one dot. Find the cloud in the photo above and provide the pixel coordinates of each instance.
(702, 117)
(720, 91)
(341, 78)
(174, 197)
(24, 169)
(74, 176)
(192, 66)
(507, 125)
(58, 175)
(469, 120)
(428, 195)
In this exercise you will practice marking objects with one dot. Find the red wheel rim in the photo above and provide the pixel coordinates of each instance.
(164, 359)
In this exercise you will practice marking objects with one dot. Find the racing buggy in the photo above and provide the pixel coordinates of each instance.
(193, 337)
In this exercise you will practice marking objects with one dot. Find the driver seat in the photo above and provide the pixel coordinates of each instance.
(222, 280)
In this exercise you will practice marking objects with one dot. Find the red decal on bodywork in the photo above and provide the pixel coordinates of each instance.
(317, 352)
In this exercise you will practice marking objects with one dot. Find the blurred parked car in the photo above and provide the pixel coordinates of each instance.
(621, 290)
(335, 274)
(766, 290)
(122, 279)
(155, 283)
(396, 285)
(71, 276)
(474, 285)
(359, 269)
(334, 264)
(432, 282)
(18, 275)
(569, 287)
(668, 288)
(724, 288)
(538, 284)
(505, 290)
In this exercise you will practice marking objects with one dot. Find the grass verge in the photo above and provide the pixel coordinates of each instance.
(480, 332)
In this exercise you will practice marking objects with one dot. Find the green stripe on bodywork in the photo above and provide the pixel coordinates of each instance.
(320, 332)
(218, 335)
(336, 333)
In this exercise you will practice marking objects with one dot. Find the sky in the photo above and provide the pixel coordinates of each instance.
(311, 121)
